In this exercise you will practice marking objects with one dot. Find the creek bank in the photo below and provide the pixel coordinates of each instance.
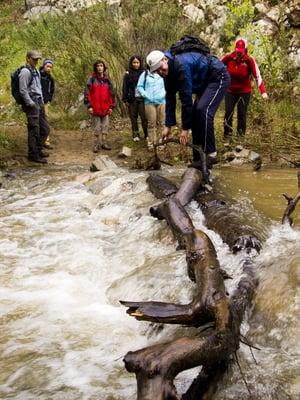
(75, 147)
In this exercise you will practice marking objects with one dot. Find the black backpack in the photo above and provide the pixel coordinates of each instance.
(189, 43)
(15, 91)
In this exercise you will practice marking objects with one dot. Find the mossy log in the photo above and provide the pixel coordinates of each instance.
(292, 203)
(219, 214)
(157, 366)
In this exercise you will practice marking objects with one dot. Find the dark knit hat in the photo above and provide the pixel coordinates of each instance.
(48, 61)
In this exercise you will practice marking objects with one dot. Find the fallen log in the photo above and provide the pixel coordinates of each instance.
(222, 219)
(157, 366)
(203, 164)
(218, 211)
(291, 206)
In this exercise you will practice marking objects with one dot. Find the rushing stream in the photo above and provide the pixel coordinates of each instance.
(69, 252)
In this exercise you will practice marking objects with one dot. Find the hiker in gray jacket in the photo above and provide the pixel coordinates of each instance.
(33, 106)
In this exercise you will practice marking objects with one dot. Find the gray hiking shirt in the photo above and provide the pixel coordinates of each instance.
(31, 92)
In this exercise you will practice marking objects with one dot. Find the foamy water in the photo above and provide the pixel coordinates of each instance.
(70, 252)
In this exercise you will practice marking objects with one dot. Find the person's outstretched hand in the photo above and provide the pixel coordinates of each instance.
(166, 132)
(183, 138)
(91, 111)
(265, 96)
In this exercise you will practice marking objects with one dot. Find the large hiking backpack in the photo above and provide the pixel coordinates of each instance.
(189, 43)
(15, 91)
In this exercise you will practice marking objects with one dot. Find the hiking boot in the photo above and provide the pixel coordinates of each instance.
(106, 146)
(48, 146)
(44, 154)
(38, 159)
(211, 159)
(227, 136)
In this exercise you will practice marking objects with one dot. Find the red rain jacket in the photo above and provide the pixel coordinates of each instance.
(99, 95)
(241, 72)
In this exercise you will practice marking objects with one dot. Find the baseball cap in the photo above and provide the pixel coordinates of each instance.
(34, 54)
(154, 59)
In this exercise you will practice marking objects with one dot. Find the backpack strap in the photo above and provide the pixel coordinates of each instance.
(145, 77)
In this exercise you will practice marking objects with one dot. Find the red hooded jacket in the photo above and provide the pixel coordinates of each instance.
(241, 70)
(99, 95)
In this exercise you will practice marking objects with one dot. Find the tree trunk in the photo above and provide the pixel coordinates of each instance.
(292, 203)
(157, 366)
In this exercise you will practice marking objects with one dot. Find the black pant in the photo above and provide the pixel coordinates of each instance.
(242, 101)
(204, 110)
(38, 128)
(137, 108)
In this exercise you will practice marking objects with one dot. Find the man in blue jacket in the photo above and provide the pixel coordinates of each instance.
(191, 73)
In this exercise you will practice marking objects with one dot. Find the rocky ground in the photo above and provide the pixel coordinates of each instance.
(75, 147)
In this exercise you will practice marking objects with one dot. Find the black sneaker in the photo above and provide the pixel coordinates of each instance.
(44, 154)
(38, 159)
(105, 146)
(48, 146)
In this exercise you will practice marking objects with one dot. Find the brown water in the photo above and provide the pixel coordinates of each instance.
(263, 189)
(69, 253)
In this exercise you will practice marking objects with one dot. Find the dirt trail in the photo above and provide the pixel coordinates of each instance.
(70, 147)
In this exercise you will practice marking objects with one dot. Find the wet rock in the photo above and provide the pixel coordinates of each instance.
(253, 156)
(243, 156)
(125, 152)
(86, 177)
(244, 153)
(98, 185)
(83, 125)
(229, 156)
(239, 148)
(102, 163)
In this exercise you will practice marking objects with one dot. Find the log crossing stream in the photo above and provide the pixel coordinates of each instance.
(70, 251)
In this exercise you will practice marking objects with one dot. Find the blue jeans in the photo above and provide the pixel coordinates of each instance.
(204, 110)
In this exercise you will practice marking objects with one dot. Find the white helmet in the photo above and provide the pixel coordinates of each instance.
(153, 60)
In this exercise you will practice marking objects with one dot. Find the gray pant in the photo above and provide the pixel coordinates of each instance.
(100, 126)
(38, 128)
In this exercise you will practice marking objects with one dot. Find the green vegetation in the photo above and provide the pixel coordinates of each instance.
(5, 141)
(76, 40)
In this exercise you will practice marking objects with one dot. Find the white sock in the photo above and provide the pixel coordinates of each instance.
(214, 154)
